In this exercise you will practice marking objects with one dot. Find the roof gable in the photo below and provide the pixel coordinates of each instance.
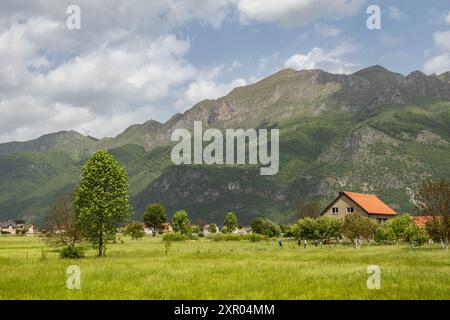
(370, 203)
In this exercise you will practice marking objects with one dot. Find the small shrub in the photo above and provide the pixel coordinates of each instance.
(194, 236)
(174, 236)
(134, 230)
(255, 237)
(218, 237)
(71, 252)
(238, 237)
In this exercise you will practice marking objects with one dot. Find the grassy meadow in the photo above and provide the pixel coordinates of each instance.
(203, 269)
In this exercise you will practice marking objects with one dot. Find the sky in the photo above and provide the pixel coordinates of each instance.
(135, 60)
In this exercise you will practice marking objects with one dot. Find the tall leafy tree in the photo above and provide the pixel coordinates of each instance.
(101, 199)
(356, 227)
(155, 215)
(212, 228)
(266, 227)
(433, 200)
(180, 222)
(230, 222)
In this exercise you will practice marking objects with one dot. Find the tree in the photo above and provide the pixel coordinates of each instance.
(134, 230)
(433, 199)
(230, 222)
(395, 229)
(265, 227)
(357, 228)
(327, 228)
(62, 227)
(305, 229)
(415, 236)
(101, 199)
(212, 228)
(154, 217)
(309, 209)
(180, 222)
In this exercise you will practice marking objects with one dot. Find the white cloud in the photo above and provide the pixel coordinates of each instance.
(447, 18)
(90, 91)
(331, 61)
(296, 12)
(444, 18)
(395, 13)
(327, 30)
(438, 64)
(126, 59)
(201, 90)
(442, 40)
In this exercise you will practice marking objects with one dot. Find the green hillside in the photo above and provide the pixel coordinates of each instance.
(374, 131)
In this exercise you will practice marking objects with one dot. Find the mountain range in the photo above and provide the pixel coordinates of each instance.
(372, 131)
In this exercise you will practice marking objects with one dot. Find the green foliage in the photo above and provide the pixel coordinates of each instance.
(230, 222)
(322, 228)
(195, 229)
(134, 230)
(327, 228)
(266, 227)
(20, 232)
(237, 237)
(253, 237)
(174, 236)
(155, 215)
(385, 234)
(224, 230)
(180, 222)
(101, 200)
(140, 269)
(400, 228)
(305, 229)
(193, 236)
(415, 236)
(399, 225)
(212, 228)
(71, 252)
(357, 227)
(435, 228)
(433, 200)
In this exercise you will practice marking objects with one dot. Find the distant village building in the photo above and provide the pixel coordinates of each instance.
(243, 231)
(8, 227)
(364, 204)
(206, 231)
(166, 227)
(17, 226)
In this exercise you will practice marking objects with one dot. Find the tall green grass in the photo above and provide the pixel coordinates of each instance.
(206, 269)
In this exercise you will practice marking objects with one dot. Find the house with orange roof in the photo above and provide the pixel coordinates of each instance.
(364, 204)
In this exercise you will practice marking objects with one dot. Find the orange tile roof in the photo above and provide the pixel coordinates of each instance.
(421, 221)
(370, 203)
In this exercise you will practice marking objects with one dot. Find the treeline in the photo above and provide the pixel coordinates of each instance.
(357, 229)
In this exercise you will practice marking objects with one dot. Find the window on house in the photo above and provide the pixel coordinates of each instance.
(350, 209)
(335, 210)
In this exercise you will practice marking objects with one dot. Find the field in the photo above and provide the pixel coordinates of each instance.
(204, 269)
